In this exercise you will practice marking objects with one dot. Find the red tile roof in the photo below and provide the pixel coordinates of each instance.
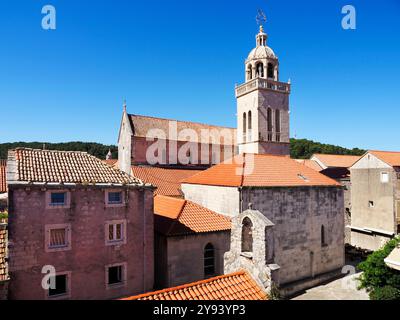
(111, 162)
(310, 163)
(256, 170)
(178, 216)
(235, 286)
(166, 180)
(3, 247)
(391, 158)
(141, 125)
(3, 182)
(338, 161)
(65, 167)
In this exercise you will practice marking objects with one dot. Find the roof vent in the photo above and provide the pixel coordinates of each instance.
(303, 177)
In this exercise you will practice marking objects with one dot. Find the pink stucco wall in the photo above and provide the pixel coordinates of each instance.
(89, 255)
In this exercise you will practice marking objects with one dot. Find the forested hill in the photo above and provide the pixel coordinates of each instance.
(300, 148)
(96, 149)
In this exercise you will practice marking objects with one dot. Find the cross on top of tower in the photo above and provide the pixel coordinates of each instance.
(261, 19)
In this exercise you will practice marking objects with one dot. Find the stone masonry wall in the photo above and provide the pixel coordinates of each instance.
(89, 256)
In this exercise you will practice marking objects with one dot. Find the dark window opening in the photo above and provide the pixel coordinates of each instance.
(209, 260)
(115, 197)
(260, 70)
(323, 240)
(61, 286)
(58, 198)
(247, 235)
(270, 71)
(115, 275)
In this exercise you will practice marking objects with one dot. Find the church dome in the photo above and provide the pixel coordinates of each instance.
(261, 52)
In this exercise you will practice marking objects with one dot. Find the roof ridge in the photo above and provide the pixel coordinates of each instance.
(384, 151)
(192, 284)
(55, 151)
(185, 121)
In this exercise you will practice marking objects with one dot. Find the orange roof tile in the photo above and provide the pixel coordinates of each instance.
(235, 286)
(166, 180)
(391, 158)
(3, 182)
(183, 217)
(141, 126)
(64, 167)
(334, 160)
(111, 162)
(310, 163)
(256, 170)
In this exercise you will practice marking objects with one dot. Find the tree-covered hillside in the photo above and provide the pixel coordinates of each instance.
(304, 149)
(96, 149)
(300, 148)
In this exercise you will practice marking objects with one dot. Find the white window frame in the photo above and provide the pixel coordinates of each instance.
(114, 205)
(387, 175)
(67, 200)
(123, 283)
(114, 223)
(63, 296)
(48, 229)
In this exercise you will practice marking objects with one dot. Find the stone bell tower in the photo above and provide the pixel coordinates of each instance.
(263, 104)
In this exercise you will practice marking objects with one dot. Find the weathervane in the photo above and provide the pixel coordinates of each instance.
(261, 18)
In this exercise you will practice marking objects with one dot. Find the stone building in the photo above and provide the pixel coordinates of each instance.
(90, 222)
(263, 104)
(300, 217)
(375, 198)
(338, 167)
(190, 242)
(4, 278)
(3, 185)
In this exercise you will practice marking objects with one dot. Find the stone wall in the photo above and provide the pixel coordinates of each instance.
(89, 255)
(298, 214)
(223, 200)
(179, 260)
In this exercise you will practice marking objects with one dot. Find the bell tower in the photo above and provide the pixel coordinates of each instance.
(263, 103)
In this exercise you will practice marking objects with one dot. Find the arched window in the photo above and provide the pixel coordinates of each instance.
(260, 70)
(270, 70)
(323, 239)
(269, 124)
(278, 125)
(247, 235)
(209, 260)
(249, 72)
(244, 127)
(249, 125)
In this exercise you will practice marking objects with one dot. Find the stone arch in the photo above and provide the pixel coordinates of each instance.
(260, 69)
(247, 235)
(249, 72)
(270, 70)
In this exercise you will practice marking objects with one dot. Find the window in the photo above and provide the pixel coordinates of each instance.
(61, 287)
(371, 204)
(323, 240)
(115, 232)
(244, 127)
(247, 235)
(260, 70)
(249, 72)
(58, 238)
(115, 197)
(58, 198)
(209, 260)
(249, 126)
(116, 275)
(269, 124)
(385, 177)
(270, 70)
(278, 125)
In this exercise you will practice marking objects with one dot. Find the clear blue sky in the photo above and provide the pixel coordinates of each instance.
(181, 59)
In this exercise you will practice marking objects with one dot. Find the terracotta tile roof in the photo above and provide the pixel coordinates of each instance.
(333, 160)
(141, 125)
(166, 180)
(3, 182)
(310, 163)
(3, 247)
(235, 286)
(256, 170)
(391, 158)
(175, 216)
(112, 162)
(64, 167)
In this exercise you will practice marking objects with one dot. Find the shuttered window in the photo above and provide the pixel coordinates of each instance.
(58, 238)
